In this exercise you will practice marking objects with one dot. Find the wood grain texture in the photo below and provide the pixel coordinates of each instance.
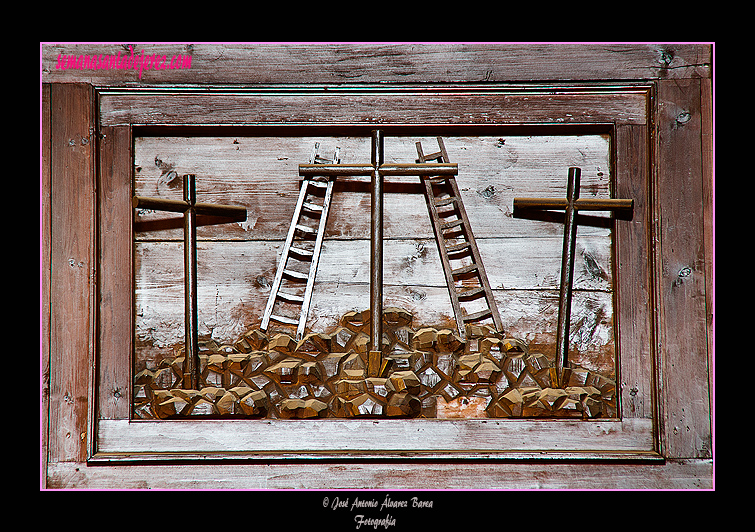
(634, 260)
(681, 279)
(45, 207)
(270, 63)
(72, 267)
(333, 437)
(235, 282)
(367, 107)
(673, 474)
(261, 174)
(115, 285)
(238, 260)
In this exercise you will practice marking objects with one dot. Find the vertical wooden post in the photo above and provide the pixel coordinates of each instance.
(376, 257)
(191, 362)
(567, 273)
(70, 239)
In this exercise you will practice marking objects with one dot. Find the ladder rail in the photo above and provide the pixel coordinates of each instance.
(315, 261)
(444, 256)
(284, 258)
(482, 274)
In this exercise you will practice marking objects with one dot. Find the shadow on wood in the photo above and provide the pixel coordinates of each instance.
(605, 222)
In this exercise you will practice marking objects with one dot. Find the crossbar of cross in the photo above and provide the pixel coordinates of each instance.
(190, 209)
(570, 205)
(377, 170)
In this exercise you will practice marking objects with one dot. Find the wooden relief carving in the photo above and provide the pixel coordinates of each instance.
(426, 372)
(435, 357)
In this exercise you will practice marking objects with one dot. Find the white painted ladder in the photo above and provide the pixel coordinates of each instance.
(307, 226)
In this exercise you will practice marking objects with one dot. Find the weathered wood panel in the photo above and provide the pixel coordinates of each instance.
(115, 285)
(261, 174)
(45, 207)
(682, 271)
(255, 63)
(391, 436)
(72, 268)
(368, 107)
(235, 280)
(706, 111)
(672, 474)
(634, 300)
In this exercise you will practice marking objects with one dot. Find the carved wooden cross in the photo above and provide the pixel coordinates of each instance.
(377, 170)
(190, 209)
(571, 204)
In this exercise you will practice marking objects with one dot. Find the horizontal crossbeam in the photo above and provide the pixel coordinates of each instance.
(235, 213)
(421, 169)
(583, 204)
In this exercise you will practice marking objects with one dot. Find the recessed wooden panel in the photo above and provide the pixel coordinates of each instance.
(237, 261)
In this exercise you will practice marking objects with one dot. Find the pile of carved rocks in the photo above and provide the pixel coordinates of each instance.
(425, 372)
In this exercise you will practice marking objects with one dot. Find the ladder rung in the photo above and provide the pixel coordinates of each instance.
(306, 230)
(291, 297)
(284, 319)
(457, 247)
(318, 184)
(470, 293)
(464, 269)
(445, 201)
(475, 316)
(450, 225)
(437, 180)
(431, 156)
(295, 275)
(301, 252)
(312, 207)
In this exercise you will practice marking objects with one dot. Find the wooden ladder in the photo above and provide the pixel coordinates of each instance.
(303, 244)
(456, 242)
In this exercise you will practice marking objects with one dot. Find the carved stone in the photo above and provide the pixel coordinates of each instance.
(403, 405)
(428, 372)
(308, 372)
(424, 339)
(254, 403)
(448, 340)
(341, 339)
(363, 405)
(397, 317)
(285, 371)
(404, 381)
(283, 343)
(202, 407)
(302, 409)
(314, 344)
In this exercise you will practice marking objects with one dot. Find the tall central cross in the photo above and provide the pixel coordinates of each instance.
(377, 170)
(571, 204)
(191, 209)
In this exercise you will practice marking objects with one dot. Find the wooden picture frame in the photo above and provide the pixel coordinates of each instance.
(646, 120)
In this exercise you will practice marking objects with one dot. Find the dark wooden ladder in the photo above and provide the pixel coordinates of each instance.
(456, 241)
(303, 244)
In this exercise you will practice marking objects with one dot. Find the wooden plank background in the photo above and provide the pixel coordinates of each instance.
(296, 63)
(237, 261)
(72, 260)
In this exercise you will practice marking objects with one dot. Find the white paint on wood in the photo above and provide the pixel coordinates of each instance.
(375, 436)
